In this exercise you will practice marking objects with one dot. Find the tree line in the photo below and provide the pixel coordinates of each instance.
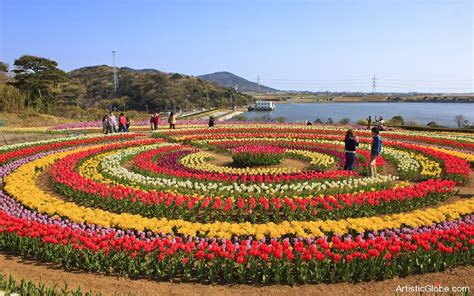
(38, 84)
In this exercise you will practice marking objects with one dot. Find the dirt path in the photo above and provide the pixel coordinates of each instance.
(109, 285)
(7, 139)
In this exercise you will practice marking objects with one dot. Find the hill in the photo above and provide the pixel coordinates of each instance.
(152, 89)
(227, 79)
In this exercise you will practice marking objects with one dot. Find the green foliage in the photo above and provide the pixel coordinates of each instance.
(269, 118)
(3, 72)
(330, 121)
(155, 90)
(318, 120)
(345, 121)
(362, 122)
(11, 99)
(11, 286)
(432, 124)
(397, 120)
(40, 78)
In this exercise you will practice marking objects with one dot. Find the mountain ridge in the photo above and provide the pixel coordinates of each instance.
(228, 79)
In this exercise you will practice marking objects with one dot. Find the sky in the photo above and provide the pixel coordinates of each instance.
(339, 45)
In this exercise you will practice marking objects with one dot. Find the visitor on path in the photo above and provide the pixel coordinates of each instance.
(111, 123)
(104, 124)
(172, 120)
(122, 123)
(381, 124)
(375, 151)
(308, 122)
(154, 120)
(211, 122)
(369, 123)
(127, 124)
(350, 143)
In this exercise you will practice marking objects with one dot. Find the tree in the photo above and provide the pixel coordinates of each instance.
(40, 78)
(345, 121)
(461, 120)
(330, 121)
(432, 124)
(318, 120)
(3, 72)
(397, 120)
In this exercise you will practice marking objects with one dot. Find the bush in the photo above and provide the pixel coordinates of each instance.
(432, 124)
(345, 121)
(240, 117)
(318, 120)
(330, 121)
(362, 122)
(397, 120)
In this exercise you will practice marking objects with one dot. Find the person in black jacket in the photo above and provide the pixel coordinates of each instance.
(350, 143)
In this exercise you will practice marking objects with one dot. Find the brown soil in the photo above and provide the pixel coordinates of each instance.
(50, 274)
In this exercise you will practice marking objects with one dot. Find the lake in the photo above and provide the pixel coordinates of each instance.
(422, 113)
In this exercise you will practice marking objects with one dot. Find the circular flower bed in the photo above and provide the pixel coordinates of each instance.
(257, 155)
(163, 208)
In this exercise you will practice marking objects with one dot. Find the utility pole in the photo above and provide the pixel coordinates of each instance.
(258, 82)
(374, 84)
(115, 74)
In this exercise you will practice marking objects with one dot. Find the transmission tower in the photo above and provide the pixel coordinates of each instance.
(116, 85)
(258, 82)
(374, 84)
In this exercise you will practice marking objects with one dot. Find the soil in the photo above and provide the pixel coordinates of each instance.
(51, 274)
(13, 138)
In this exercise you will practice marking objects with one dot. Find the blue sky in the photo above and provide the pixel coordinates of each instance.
(313, 45)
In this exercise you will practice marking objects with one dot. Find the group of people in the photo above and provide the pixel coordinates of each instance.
(378, 122)
(112, 124)
(155, 120)
(351, 143)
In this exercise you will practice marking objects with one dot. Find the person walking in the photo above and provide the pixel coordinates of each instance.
(154, 120)
(350, 143)
(211, 122)
(104, 124)
(122, 123)
(369, 123)
(381, 124)
(172, 120)
(112, 123)
(375, 151)
(127, 124)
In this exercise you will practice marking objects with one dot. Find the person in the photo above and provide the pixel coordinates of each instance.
(375, 151)
(350, 143)
(211, 122)
(154, 120)
(127, 124)
(104, 124)
(381, 124)
(112, 123)
(369, 123)
(122, 123)
(308, 122)
(172, 120)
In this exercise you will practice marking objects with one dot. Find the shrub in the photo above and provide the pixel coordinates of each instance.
(345, 121)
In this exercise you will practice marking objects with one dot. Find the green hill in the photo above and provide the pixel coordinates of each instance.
(139, 89)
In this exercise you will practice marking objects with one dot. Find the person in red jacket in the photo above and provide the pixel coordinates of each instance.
(122, 123)
(154, 120)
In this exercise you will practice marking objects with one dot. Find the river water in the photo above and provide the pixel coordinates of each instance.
(422, 113)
